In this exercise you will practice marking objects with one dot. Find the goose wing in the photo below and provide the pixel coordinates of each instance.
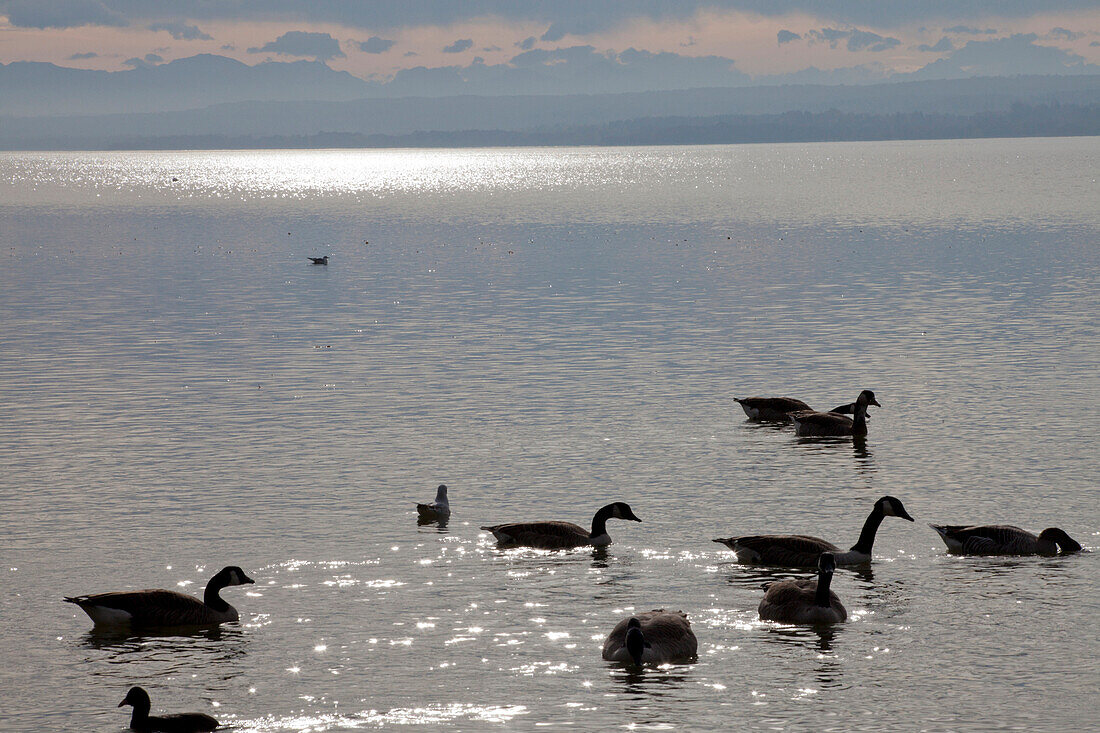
(809, 422)
(149, 608)
(770, 408)
(182, 723)
(542, 535)
(792, 601)
(990, 539)
(792, 550)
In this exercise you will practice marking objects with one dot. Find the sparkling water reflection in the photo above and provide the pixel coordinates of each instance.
(546, 331)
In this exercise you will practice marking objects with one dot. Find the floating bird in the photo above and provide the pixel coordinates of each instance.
(778, 409)
(1004, 539)
(654, 637)
(561, 535)
(318, 260)
(806, 601)
(795, 550)
(808, 423)
(438, 509)
(164, 608)
(141, 720)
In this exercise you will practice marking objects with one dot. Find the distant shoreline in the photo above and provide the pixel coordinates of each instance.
(1018, 121)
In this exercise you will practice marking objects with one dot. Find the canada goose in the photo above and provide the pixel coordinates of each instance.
(808, 423)
(795, 550)
(561, 535)
(164, 608)
(806, 601)
(654, 637)
(777, 409)
(141, 720)
(1004, 539)
(318, 260)
(438, 509)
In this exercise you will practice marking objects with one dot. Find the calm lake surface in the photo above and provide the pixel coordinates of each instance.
(547, 331)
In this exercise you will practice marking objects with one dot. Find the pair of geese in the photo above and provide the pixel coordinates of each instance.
(654, 637)
(811, 423)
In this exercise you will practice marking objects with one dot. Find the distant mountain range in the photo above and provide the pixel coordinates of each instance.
(212, 101)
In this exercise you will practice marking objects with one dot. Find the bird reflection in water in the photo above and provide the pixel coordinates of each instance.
(643, 682)
(439, 524)
(212, 646)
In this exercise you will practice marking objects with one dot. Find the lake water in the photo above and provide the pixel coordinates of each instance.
(547, 331)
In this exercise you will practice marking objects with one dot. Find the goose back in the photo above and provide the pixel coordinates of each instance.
(540, 535)
(790, 550)
(668, 637)
(770, 409)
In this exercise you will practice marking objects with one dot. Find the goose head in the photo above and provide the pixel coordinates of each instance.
(826, 563)
(621, 510)
(891, 507)
(635, 641)
(1064, 541)
(138, 698)
(867, 397)
(231, 575)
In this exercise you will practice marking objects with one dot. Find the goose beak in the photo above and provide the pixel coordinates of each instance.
(124, 702)
(249, 581)
(904, 514)
(874, 402)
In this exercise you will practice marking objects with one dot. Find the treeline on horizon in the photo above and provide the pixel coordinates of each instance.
(1020, 120)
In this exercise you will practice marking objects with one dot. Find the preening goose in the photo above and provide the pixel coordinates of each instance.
(778, 409)
(318, 260)
(438, 509)
(141, 720)
(164, 608)
(654, 637)
(795, 550)
(807, 601)
(561, 535)
(808, 423)
(1004, 539)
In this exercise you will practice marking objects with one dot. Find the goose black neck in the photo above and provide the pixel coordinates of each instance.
(867, 535)
(635, 645)
(599, 522)
(212, 596)
(859, 419)
(140, 717)
(821, 598)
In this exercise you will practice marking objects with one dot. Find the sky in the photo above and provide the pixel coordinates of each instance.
(768, 40)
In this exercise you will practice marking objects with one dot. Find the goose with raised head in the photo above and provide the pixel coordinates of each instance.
(164, 608)
(808, 423)
(806, 601)
(561, 535)
(778, 409)
(438, 509)
(653, 637)
(1004, 539)
(795, 550)
(142, 721)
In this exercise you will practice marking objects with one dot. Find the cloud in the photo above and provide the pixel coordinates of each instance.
(320, 46)
(60, 14)
(554, 33)
(182, 31)
(85, 55)
(1016, 54)
(462, 44)
(151, 59)
(1065, 34)
(970, 30)
(1094, 43)
(229, 47)
(785, 36)
(941, 46)
(526, 44)
(855, 39)
(374, 44)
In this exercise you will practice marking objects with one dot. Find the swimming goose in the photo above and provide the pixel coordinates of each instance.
(777, 409)
(141, 720)
(164, 608)
(808, 423)
(795, 550)
(438, 509)
(318, 260)
(654, 637)
(561, 535)
(1004, 539)
(807, 601)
